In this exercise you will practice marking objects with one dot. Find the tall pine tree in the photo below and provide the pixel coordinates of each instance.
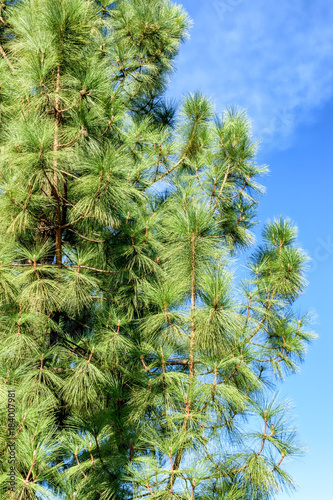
(142, 368)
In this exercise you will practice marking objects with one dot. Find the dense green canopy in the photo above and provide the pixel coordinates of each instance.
(142, 367)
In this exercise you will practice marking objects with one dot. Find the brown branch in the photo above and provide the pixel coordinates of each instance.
(108, 125)
(171, 470)
(25, 206)
(233, 373)
(44, 90)
(65, 226)
(170, 169)
(278, 465)
(269, 305)
(99, 270)
(264, 436)
(192, 310)
(221, 425)
(180, 451)
(91, 455)
(197, 176)
(92, 352)
(213, 390)
(101, 298)
(85, 237)
(150, 490)
(222, 187)
(248, 311)
(159, 158)
(177, 362)
(34, 435)
(29, 473)
(242, 189)
(6, 379)
(42, 362)
(213, 191)
(144, 365)
(193, 488)
(73, 140)
(131, 450)
(55, 177)
(78, 462)
(81, 324)
(215, 382)
(167, 317)
(4, 55)
(22, 207)
(100, 457)
(14, 437)
(1, 18)
(67, 173)
(163, 378)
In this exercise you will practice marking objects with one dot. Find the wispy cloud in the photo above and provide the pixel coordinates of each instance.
(273, 58)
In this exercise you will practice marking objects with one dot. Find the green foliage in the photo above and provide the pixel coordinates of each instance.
(140, 364)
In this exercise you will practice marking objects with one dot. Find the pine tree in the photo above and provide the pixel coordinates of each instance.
(140, 363)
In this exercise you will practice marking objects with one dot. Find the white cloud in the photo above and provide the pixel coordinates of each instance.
(274, 58)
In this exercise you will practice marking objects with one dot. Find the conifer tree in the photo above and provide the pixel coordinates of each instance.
(142, 367)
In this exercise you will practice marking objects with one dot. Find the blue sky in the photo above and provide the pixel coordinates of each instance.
(275, 59)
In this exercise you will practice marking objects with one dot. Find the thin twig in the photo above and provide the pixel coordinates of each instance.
(4, 55)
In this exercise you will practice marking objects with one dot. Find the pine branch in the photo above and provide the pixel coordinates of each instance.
(4, 55)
